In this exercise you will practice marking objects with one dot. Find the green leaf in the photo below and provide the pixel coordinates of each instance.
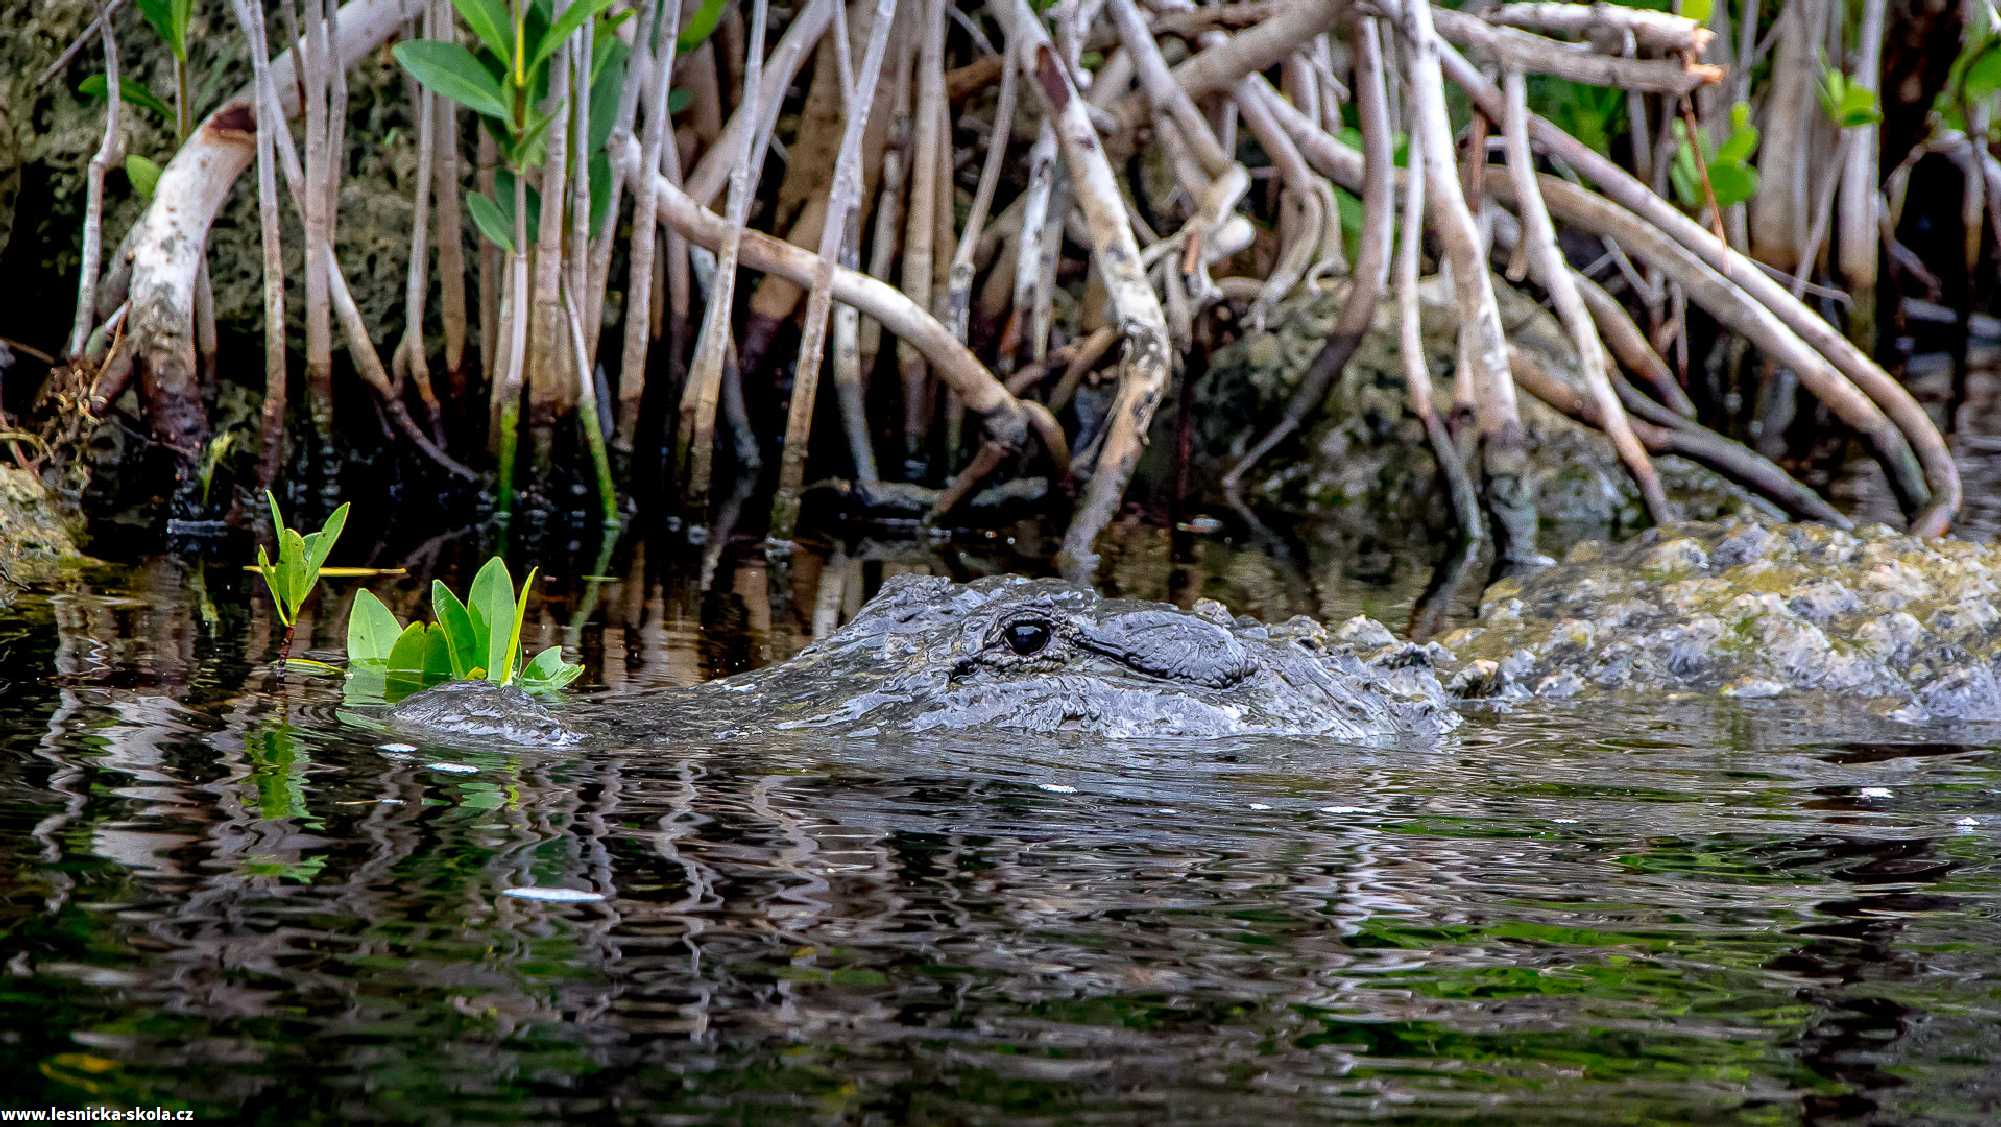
(406, 655)
(144, 174)
(275, 582)
(1846, 103)
(129, 91)
(451, 70)
(292, 567)
(503, 193)
(608, 50)
(514, 636)
(526, 150)
(545, 665)
(488, 20)
(491, 221)
(604, 104)
(182, 11)
(492, 607)
(1858, 107)
(1983, 73)
(549, 672)
(1734, 183)
(465, 641)
(600, 190)
(679, 98)
(575, 16)
(700, 25)
(437, 654)
(320, 544)
(371, 629)
(1697, 10)
(1743, 138)
(160, 14)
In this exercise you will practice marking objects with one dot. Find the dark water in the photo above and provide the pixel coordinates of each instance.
(217, 895)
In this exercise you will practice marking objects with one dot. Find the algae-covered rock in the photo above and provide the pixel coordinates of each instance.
(1365, 451)
(1888, 624)
(35, 538)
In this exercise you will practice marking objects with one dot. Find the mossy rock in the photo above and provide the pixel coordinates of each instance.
(36, 541)
(1366, 454)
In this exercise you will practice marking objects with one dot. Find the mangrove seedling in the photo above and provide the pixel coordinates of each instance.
(297, 571)
(1731, 173)
(504, 83)
(477, 638)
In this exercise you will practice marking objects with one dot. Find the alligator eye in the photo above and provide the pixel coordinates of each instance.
(1026, 637)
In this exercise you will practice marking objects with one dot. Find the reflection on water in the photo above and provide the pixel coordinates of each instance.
(215, 894)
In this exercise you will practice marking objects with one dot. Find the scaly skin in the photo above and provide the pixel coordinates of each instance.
(1875, 622)
(1011, 655)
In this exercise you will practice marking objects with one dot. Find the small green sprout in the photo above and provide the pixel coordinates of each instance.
(300, 558)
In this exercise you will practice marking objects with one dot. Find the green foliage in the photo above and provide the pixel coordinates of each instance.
(607, 75)
(144, 174)
(131, 93)
(170, 19)
(300, 558)
(478, 638)
(1730, 171)
(492, 221)
(488, 20)
(1975, 75)
(1592, 114)
(702, 23)
(575, 16)
(1847, 104)
(1982, 76)
(507, 80)
(1698, 10)
(454, 72)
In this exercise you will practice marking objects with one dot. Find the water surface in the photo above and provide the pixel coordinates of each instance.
(216, 894)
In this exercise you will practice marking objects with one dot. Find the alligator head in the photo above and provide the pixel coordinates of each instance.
(1017, 655)
(1044, 656)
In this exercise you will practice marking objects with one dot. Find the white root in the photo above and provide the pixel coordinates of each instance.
(1482, 345)
(109, 152)
(696, 447)
(843, 198)
(1144, 370)
(645, 229)
(1553, 273)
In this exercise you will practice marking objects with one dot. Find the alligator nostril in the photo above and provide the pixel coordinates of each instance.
(1027, 637)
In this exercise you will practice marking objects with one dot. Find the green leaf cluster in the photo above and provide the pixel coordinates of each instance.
(300, 558)
(470, 639)
(1594, 115)
(1731, 173)
(130, 92)
(703, 21)
(508, 77)
(1846, 103)
(1975, 75)
(170, 19)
